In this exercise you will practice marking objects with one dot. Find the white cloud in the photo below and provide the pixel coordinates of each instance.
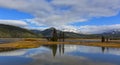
(59, 13)
(89, 29)
(14, 53)
(14, 22)
(64, 11)
(68, 28)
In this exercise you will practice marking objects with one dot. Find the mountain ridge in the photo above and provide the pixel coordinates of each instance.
(10, 31)
(48, 33)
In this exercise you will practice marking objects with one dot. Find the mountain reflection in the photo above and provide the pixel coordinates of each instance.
(60, 49)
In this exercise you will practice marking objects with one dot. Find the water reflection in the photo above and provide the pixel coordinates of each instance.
(14, 60)
(54, 48)
(79, 55)
(61, 49)
(104, 49)
(61, 54)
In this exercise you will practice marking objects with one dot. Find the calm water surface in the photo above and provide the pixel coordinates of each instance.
(62, 55)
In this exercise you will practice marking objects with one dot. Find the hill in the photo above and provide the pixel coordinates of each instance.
(113, 34)
(9, 31)
(48, 33)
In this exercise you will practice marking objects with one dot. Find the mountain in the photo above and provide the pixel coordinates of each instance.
(9, 31)
(112, 34)
(48, 33)
(38, 32)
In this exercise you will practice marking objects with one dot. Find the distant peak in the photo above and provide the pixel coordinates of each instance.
(52, 28)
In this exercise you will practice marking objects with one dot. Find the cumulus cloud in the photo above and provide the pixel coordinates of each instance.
(62, 12)
(92, 29)
(14, 22)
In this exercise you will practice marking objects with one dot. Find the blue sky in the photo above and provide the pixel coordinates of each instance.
(12, 14)
(101, 21)
(76, 16)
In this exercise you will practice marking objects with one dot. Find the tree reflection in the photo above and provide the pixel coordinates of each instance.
(104, 48)
(61, 49)
(54, 48)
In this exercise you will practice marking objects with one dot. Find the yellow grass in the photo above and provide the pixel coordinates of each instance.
(34, 43)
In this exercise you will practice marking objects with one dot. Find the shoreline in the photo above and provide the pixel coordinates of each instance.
(34, 43)
(9, 40)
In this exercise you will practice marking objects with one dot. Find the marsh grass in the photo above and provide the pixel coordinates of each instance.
(30, 39)
(34, 43)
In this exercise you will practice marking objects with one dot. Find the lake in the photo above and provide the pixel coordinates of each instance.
(62, 54)
(8, 40)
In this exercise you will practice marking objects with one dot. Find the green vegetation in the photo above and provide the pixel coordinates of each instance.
(8, 31)
(54, 35)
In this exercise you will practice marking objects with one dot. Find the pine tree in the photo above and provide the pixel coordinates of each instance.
(54, 35)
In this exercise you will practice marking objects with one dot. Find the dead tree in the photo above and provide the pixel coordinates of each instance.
(102, 39)
(107, 39)
(63, 36)
(60, 36)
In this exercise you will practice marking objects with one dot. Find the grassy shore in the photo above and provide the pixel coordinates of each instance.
(34, 43)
